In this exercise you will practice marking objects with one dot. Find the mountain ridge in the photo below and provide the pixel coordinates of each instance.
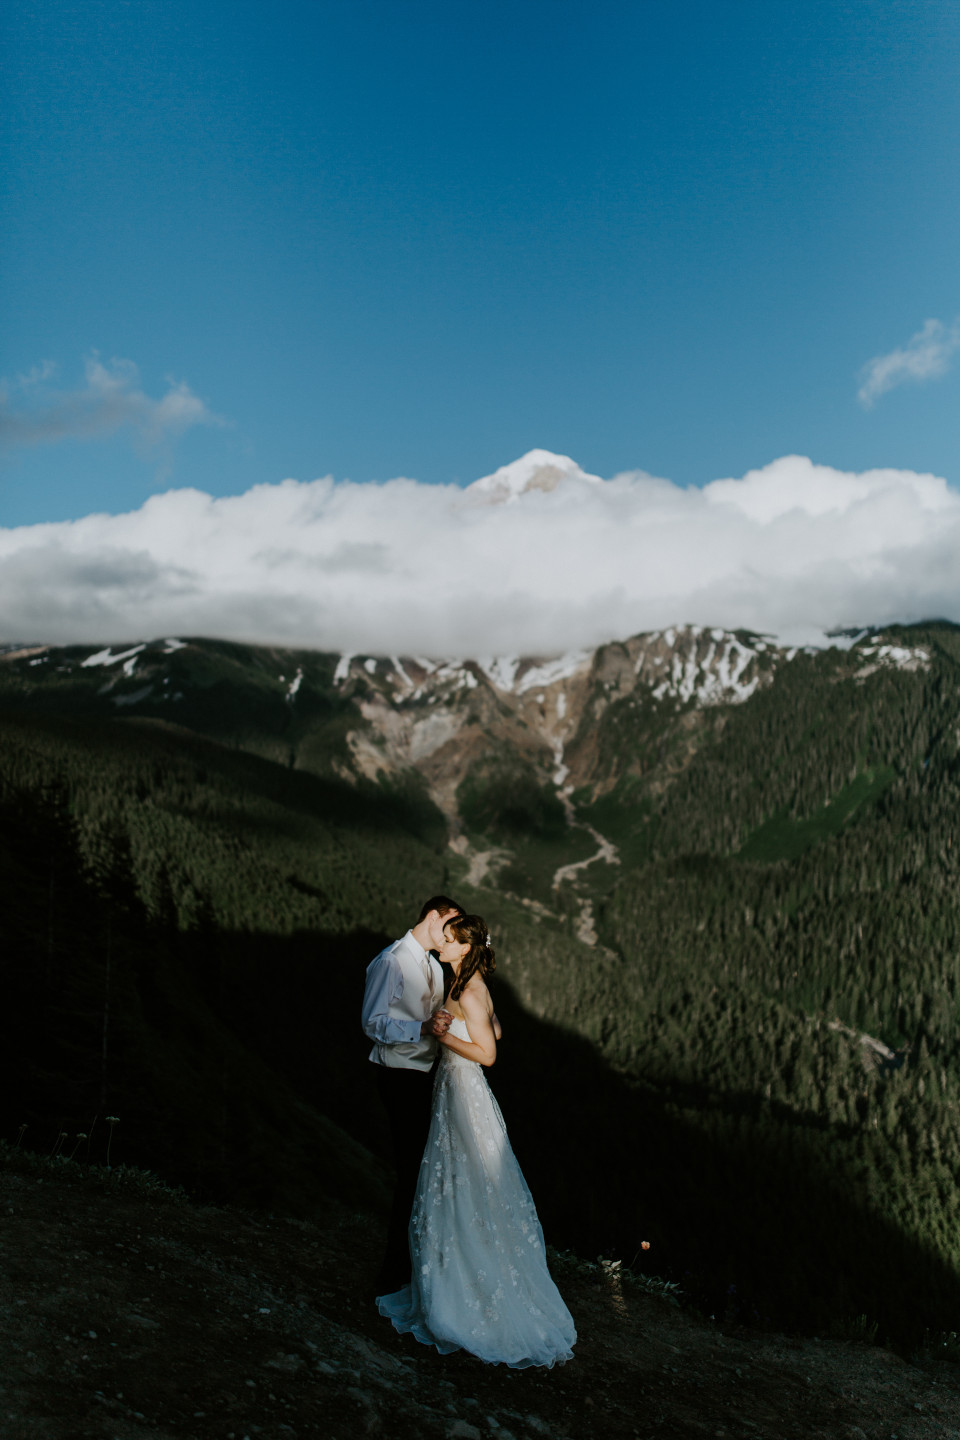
(441, 721)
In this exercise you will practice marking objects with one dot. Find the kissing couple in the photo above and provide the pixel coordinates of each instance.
(465, 1264)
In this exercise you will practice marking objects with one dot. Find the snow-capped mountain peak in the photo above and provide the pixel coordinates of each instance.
(537, 470)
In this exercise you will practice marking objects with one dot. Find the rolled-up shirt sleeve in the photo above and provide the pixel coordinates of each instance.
(385, 985)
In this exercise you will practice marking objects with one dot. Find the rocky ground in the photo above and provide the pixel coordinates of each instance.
(125, 1314)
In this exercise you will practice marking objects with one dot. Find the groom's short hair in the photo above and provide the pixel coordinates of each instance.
(442, 904)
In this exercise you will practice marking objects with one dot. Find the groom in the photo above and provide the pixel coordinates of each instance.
(402, 1014)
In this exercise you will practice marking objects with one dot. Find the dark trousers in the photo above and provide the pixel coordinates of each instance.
(406, 1096)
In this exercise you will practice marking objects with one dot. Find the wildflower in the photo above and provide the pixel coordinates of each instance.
(644, 1244)
(81, 1136)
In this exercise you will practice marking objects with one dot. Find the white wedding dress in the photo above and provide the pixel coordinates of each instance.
(480, 1278)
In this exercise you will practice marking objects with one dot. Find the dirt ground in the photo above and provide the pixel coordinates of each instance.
(124, 1316)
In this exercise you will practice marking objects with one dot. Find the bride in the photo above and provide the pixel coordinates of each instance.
(480, 1278)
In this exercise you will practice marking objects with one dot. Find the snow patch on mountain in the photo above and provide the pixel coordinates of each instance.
(518, 676)
(891, 657)
(712, 667)
(500, 670)
(551, 672)
(405, 678)
(106, 657)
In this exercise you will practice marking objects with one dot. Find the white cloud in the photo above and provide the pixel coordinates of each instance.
(406, 567)
(33, 413)
(925, 356)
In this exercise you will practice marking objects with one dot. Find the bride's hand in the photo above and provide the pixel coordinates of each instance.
(437, 1025)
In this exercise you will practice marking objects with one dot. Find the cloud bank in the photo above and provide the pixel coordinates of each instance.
(404, 567)
(33, 412)
(925, 356)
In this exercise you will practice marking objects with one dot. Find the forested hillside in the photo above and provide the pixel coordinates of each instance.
(755, 1066)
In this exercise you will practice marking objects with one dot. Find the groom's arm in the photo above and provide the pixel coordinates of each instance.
(384, 986)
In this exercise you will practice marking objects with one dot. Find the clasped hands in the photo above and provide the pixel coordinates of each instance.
(438, 1024)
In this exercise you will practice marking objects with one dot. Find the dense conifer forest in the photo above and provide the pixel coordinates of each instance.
(755, 1068)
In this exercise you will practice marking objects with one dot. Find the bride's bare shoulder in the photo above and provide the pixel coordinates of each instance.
(476, 995)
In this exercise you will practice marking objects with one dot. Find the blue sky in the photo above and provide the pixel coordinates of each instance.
(396, 237)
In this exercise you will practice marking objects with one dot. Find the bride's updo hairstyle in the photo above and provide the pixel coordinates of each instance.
(479, 960)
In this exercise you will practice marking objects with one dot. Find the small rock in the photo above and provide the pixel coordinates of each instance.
(463, 1430)
(288, 1363)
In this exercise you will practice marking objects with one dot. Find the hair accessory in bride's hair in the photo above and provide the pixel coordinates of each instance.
(487, 942)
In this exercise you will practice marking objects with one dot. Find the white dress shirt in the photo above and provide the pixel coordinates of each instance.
(404, 987)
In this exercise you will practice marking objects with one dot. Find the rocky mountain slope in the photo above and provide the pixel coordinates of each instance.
(126, 1314)
(440, 718)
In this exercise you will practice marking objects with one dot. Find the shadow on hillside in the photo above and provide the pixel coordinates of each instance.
(237, 1067)
(358, 805)
(751, 1218)
(754, 1222)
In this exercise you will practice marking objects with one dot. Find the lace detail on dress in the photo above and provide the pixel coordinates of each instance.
(480, 1277)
